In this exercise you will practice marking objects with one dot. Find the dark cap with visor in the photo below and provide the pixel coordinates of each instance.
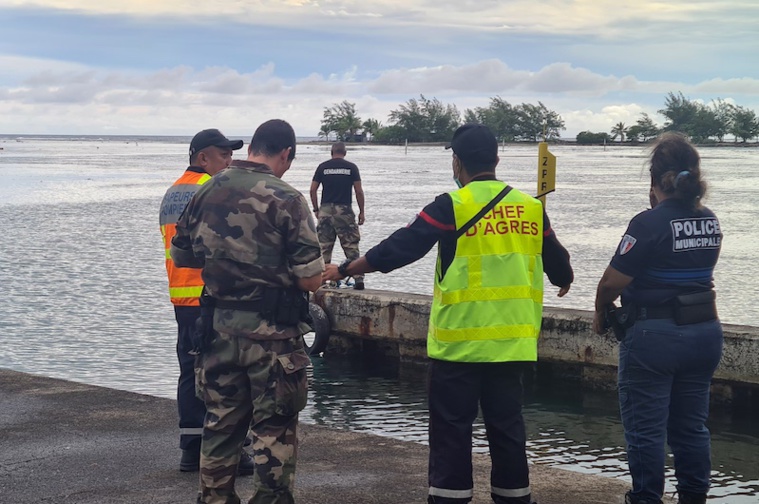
(212, 138)
(474, 143)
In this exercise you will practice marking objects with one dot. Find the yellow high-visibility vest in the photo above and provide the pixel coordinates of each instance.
(489, 305)
(185, 284)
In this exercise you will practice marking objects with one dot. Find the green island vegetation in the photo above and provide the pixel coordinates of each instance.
(428, 120)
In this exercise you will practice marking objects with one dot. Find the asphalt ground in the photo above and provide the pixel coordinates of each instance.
(64, 442)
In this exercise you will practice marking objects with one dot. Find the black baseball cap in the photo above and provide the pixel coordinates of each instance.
(474, 143)
(212, 137)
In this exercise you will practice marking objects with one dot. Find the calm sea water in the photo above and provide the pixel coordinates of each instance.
(81, 259)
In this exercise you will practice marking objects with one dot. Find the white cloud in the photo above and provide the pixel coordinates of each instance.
(494, 76)
(745, 86)
(604, 119)
(20, 67)
(608, 18)
(485, 76)
(84, 100)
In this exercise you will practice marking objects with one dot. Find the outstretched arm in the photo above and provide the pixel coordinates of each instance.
(357, 267)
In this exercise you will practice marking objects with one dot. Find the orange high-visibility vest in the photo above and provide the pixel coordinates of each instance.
(185, 284)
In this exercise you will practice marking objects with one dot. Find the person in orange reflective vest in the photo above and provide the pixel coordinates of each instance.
(210, 152)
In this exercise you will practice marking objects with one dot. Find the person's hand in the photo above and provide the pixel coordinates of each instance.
(563, 290)
(599, 323)
(331, 273)
(360, 218)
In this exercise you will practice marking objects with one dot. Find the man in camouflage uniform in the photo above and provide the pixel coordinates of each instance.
(336, 218)
(253, 235)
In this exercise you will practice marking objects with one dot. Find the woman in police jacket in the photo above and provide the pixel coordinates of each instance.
(671, 340)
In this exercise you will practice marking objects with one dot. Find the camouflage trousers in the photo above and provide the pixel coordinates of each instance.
(259, 385)
(338, 221)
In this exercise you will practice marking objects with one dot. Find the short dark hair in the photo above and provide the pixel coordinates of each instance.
(676, 168)
(272, 137)
(339, 148)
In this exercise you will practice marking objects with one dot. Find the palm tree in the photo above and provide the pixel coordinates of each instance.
(370, 127)
(324, 132)
(619, 130)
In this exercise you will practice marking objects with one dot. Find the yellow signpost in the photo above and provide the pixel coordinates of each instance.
(546, 172)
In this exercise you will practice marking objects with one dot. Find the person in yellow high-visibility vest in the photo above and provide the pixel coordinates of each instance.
(210, 152)
(494, 244)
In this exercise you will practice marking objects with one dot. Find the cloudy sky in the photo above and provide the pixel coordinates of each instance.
(177, 66)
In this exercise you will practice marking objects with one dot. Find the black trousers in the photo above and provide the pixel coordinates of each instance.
(456, 390)
(192, 411)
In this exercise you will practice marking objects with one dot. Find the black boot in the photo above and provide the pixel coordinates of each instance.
(525, 499)
(190, 461)
(690, 498)
(629, 499)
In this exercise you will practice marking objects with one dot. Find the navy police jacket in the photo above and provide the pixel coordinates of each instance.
(669, 250)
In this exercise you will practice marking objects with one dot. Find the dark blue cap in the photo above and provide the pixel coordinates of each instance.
(474, 143)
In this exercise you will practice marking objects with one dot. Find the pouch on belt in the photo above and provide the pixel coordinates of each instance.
(695, 308)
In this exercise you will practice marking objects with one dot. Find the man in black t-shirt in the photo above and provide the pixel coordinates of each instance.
(336, 218)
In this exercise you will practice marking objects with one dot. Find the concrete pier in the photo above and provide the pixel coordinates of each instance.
(395, 323)
(69, 443)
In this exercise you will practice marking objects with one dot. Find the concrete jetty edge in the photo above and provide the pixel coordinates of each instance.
(67, 442)
(394, 324)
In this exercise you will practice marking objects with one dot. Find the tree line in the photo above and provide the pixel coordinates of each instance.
(429, 120)
(703, 123)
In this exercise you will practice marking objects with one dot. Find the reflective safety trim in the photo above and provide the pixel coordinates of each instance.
(452, 494)
(491, 293)
(504, 332)
(168, 253)
(510, 492)
(185, 292)
(191, 431)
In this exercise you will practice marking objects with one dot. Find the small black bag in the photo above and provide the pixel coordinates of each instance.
(619, 319)
(285, 306)
(203, 334)
(695, 308)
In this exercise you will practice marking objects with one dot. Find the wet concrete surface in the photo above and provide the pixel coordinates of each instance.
(65, 442)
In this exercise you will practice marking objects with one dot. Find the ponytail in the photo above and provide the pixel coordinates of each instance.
(675, 169)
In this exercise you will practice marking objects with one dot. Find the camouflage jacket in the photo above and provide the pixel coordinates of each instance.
(248, 229)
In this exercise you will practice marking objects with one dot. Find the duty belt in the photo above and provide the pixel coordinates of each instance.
(655, 312)
(685, 309)
(256, 305)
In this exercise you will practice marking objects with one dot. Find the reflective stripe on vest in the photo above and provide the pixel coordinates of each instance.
(488, 307)
(185, 284)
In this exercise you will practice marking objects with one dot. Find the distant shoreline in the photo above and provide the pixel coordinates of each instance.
(9, 137)
(517, 144)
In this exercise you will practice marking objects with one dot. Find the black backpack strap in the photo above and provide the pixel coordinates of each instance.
(482, 212)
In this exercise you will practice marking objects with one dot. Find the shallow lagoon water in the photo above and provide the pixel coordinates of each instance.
(81, 259)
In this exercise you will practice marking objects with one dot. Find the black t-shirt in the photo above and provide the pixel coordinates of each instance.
(337, 177)
(668, 250)
(437, 224)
